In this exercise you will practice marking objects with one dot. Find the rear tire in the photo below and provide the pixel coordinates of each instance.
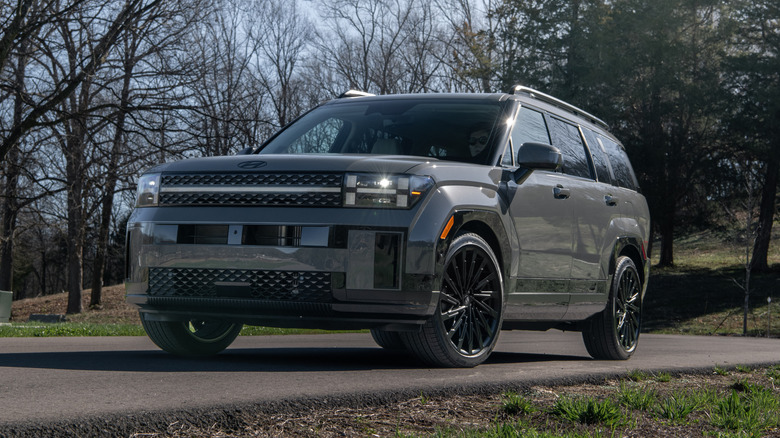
(464, 328)
(613, 334)
(388, 340)
(191, 338)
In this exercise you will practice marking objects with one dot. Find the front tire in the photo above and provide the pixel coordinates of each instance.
(613, 334)
(464, 328)
(387, 339)
(191, 338)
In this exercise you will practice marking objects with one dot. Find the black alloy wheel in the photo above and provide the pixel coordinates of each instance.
(613, 334)
(467, 322)
(627, 308)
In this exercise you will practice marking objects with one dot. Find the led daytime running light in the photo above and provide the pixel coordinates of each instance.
(394, 191)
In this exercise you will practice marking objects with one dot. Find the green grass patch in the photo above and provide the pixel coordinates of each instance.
(43, 330)
(720, 371)
(637, 375)
(752, 412)
(587, 410)
(518, 429)
(637, 398)
(676, 407)
(774, 372)
(515, 404)
(40, 330)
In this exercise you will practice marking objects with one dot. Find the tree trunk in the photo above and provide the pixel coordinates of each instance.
(766, 216)
(112, 176)
(74, 174)
(667, 239)
(9, 212)
(10, 201)
(75, 230)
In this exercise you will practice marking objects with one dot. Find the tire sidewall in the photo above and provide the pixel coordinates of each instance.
(175, 337)
(623, 265)
(460, 242)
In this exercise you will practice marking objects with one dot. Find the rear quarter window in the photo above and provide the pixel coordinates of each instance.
(599, 155)
(621, 167)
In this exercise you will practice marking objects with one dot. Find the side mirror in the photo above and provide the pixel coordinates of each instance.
(539, 156)
(245, 151)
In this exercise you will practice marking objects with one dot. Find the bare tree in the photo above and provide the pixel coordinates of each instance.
(67, 84)
(281, 35)
(226, 105)
(138, 86)
(364, 43)
(10, 203)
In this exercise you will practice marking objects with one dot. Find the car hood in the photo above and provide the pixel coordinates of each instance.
(296, 163)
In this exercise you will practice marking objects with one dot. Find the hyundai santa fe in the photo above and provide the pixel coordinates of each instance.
(433, 220)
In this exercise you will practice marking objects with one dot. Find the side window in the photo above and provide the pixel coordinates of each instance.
(529, 127)
(318, 139)
(624, 174)
(566, 137)
(599, 155)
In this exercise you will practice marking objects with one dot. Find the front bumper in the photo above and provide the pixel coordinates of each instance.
(321, 277)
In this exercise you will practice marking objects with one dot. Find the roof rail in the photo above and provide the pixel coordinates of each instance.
(536, 94)
(354, 93)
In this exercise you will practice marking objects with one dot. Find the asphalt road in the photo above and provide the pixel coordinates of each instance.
(45, 379)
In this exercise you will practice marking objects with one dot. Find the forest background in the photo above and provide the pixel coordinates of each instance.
(94, 91)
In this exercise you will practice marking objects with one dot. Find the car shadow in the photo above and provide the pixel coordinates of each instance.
(243, 360)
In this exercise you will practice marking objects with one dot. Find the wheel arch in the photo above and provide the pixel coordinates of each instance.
(489, 226)
(632, 248)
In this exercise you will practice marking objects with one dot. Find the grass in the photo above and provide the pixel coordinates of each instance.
(37, 329)
(752, 411)
(34, 329)
(721, 371)
(637, 398)
(676, 407)
(717, 405)
(587, 410)
(701, 294)
(515, 404)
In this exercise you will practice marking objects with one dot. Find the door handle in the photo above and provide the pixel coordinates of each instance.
(560, 192)
(611, 200)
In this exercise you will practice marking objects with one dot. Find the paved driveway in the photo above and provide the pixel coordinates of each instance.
(43, 379)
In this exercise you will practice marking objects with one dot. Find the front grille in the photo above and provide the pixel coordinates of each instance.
(312, 287)
(251, 189)
(250, 179)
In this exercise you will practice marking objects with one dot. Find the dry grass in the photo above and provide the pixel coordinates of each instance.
(113, 310)
(484, 415)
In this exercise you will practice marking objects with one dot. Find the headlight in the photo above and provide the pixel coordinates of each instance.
(384, 191)
(148, 190)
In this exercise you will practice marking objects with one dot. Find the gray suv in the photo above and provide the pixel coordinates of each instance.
(434, 220)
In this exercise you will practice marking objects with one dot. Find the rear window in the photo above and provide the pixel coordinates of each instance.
(442, 129)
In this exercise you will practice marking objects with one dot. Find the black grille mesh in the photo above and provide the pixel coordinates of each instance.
(277, 196)
(253, 179)
(312, 287)
(252, 199)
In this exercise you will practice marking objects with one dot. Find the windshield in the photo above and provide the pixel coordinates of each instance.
(442, 129)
